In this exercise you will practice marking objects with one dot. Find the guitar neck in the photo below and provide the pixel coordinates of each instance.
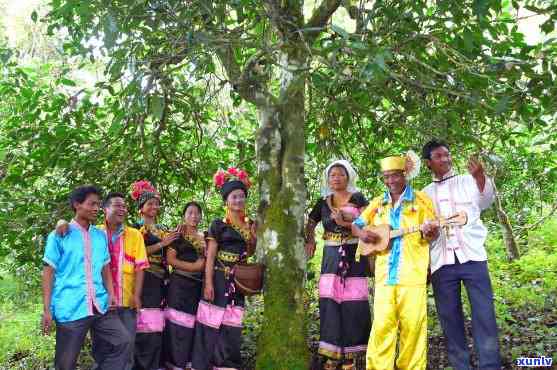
(404, 231)
(458, 219)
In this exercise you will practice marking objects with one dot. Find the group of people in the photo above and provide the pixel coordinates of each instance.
(152, 298)
(448, 257)
(155, 298)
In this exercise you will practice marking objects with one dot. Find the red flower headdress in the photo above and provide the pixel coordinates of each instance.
(232, 173)
(140, 187)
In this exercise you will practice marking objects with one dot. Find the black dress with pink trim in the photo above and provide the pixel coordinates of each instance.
(148, 352)
(184, 293)
(344, 311)
(218, 327)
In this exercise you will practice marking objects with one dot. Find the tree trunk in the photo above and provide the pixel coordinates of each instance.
(280, 155)
(509, 239)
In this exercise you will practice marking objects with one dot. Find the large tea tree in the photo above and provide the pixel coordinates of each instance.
(382, 76)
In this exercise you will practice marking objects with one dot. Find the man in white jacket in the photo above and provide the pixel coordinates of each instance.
(459, 256)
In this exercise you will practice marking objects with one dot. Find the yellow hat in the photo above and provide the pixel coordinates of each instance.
(393, 163)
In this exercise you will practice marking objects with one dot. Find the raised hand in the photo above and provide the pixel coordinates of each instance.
(476, 169)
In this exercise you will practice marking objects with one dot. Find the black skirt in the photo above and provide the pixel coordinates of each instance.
(344, 312)
(184, 294)
(218, 328)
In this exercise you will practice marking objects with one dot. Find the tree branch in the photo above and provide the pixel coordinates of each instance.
(245, 82)
(320, 17)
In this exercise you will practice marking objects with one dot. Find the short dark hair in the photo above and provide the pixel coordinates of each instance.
(112, 195)
(431, 146)
(79, 194)
(192, 203)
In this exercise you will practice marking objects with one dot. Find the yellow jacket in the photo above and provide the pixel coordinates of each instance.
(406, 262)
(132, 257)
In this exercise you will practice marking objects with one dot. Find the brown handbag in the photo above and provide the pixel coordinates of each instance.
(248, 277)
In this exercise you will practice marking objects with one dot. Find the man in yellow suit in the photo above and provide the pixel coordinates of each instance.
(400, 301)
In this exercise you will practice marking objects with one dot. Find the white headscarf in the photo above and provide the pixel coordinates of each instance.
(352, 177)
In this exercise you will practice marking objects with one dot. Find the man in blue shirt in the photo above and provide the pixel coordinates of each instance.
(77, 289)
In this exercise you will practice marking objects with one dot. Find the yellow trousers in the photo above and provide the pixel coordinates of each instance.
(397, 308)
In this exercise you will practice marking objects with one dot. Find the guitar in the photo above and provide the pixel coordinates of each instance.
(386, 233)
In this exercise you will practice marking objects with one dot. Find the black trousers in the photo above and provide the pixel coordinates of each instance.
(128, 317)
(111, 342)
(447, 282)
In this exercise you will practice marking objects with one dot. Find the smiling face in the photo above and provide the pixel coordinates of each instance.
(116, 211)
(395, 181)
(338, 178)
(441, 162)
(192, 216)
(89, 209)
(151, 207)
(236, 200)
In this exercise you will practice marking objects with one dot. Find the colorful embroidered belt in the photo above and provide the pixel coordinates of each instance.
(228, 257)
(336, 239)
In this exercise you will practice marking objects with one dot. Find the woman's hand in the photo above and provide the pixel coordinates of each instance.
(208, 292)
(339, 219)
(181, 229)
(169, 239)
(310, 249)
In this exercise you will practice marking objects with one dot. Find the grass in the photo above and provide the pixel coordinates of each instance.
(525, 301)
(21, 344)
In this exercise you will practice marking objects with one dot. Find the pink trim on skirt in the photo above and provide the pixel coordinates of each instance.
(352, 289)
(337, 349)
(209, 314)
(233, 316)
(150, 320)
(215, 316)
(179, 318)
(360, 348)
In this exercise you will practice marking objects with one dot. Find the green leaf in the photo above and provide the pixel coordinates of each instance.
(157, 106)
(34, 16)
(67, 82)
(548, 26)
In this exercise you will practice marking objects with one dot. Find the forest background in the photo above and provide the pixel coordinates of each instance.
(111, 92)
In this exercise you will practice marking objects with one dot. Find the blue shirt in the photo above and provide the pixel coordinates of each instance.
(78, 259)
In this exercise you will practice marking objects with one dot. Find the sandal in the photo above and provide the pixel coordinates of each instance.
(348, 366)
(330, 365)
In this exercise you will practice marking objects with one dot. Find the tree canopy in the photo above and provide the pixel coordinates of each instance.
(279, 88)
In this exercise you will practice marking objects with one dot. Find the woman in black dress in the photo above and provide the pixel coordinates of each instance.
(186, 256)
(219, 315)
(148, 352)
(343, 288)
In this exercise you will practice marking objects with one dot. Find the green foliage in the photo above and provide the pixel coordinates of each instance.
(525, 302)
(169, 103)
(164, 109)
